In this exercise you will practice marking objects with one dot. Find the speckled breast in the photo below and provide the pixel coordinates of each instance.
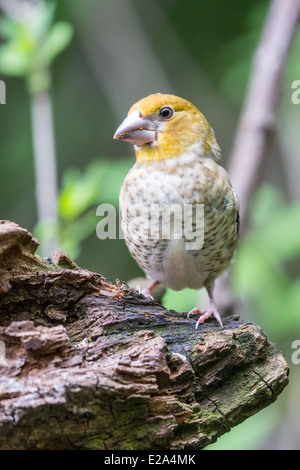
(180, 223)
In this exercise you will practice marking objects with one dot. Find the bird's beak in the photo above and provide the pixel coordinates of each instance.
(136, 129)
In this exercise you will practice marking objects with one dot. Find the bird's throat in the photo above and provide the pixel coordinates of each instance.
(149, 153)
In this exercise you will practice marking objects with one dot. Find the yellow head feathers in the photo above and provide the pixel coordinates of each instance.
(164, 127)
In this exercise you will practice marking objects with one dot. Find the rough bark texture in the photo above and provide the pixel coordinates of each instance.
(86, 364)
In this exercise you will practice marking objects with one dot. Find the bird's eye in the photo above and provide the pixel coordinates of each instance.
(166, 112)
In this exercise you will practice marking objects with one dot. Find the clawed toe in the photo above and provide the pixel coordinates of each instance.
(147, 291)
(144, 292)
(195, 311)
(205, 314)
(208, 314)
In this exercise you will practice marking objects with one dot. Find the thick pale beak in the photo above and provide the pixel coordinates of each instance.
(136, 129)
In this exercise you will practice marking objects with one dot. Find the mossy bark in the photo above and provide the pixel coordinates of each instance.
(88, 364)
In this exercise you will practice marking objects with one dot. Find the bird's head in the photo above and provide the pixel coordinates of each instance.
(163, 127)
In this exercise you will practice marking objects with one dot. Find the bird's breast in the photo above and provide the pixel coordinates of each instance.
(164, 212)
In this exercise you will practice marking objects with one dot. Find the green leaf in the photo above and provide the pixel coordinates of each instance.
(80, 191)
(111, 184)
(57, 40)
(46, 16)
(13, 61)
(8, 27)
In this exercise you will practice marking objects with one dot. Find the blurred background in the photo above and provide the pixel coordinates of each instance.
(71, 72)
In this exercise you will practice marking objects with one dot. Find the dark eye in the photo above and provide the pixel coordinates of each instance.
(166, 112)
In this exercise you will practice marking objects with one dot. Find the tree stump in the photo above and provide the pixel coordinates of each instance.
(86, 364)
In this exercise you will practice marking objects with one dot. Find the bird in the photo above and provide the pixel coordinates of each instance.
(179, 211)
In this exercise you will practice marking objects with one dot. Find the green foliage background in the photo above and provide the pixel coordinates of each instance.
(203, 51)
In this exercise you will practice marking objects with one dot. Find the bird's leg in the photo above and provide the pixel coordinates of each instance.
(147, 291)
(210, 312)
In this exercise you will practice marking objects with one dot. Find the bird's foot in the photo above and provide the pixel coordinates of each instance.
(147, 291)
(205, 314)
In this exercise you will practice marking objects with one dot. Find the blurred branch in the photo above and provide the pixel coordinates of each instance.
(255, 132)
(45, 163)
(38, 80)
(33, 40)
